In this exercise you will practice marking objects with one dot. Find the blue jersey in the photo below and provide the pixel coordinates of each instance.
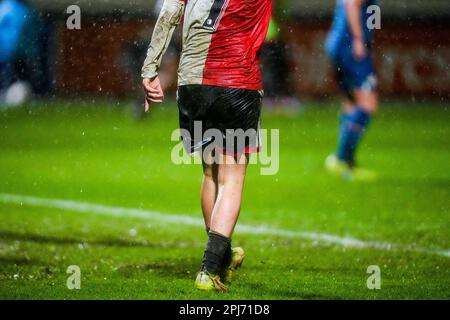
(13, 15)
(340, 38)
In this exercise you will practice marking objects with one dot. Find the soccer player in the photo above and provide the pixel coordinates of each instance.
(13, 18)
(219, 88)
(349, 45)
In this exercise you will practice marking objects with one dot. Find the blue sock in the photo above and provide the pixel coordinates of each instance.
(342, 119)
(353, 126)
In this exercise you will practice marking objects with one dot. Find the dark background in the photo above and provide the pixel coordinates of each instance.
(103, 58)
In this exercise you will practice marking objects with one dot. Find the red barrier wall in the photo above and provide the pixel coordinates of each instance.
(412, 60)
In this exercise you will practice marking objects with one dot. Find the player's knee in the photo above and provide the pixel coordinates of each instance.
(368, 101)
(233, 174)
(369, 108)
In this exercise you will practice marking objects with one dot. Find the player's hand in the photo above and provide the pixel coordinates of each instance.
(153, 91)
(359, 49)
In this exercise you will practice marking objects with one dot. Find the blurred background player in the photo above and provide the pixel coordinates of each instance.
(13, 18)
(219, 86)
(22, 55)
(349, 45)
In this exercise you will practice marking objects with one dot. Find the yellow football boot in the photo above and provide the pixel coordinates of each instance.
(237, 258)
(336, 166)
(342, 169)
(363, 175)
(208, 282)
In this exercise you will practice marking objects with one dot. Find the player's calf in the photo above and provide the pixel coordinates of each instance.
(367, 100)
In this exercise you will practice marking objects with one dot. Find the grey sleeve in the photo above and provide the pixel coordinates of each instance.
(169, 17)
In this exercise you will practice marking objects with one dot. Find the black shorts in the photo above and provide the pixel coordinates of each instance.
(225, 119)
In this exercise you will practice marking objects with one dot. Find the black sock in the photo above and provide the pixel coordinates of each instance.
(217, 249)
(227, 256)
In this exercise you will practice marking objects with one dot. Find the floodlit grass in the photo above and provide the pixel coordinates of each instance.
(94, 152)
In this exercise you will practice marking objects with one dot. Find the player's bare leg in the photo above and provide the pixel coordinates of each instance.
(209, 191)
(219, 258)
(231, 176)
(367, 100)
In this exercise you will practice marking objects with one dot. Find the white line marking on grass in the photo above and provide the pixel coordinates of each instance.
(84, 207)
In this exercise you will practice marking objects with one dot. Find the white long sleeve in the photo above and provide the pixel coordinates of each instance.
(169, 17)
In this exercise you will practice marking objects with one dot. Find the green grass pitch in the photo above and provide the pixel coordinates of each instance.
(95, 153)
